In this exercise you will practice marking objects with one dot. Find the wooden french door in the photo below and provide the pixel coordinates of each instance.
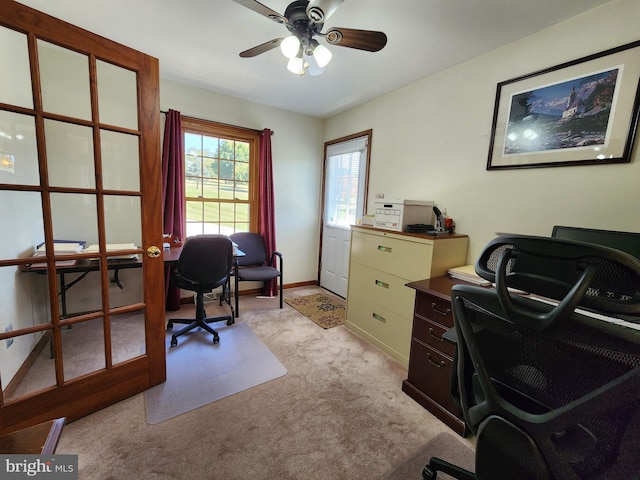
(79, 165)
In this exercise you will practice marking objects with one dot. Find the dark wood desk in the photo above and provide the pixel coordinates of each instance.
(431, 358)
(171, 255)
(41, 439)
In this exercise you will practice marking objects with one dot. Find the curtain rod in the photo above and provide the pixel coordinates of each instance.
(213, 121)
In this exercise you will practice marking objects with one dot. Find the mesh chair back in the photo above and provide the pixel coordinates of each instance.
(580, 274)
(562, 389)
(206, 259)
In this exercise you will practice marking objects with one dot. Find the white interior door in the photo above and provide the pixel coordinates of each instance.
(344, 194)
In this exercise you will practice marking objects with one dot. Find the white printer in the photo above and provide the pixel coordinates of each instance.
(397, 214)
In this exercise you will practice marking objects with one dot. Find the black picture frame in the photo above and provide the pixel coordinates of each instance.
(582, 112)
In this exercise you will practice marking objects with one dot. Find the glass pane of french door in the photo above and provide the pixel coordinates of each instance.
(18, 141)
(64, 81)
(14, 65)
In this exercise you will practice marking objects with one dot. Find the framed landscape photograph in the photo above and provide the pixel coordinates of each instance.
(583, 112)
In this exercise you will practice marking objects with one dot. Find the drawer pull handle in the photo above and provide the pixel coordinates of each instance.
(382, 248)
(380, 318)
(433, 334)
(380, 283)
(441, 312)
(430, 359)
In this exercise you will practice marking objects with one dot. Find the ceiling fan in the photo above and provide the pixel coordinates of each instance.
(305, 20)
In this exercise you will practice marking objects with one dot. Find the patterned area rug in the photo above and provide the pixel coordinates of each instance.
(319, 308)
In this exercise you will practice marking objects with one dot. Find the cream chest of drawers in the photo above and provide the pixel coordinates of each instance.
(379, 304)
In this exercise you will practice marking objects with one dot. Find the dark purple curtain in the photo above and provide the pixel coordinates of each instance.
(173, 194)
(267, 206)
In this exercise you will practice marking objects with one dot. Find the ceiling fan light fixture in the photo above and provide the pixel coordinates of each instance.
(296, 65)
(305, 19)
(311, 65)
(290, 46)
(322, 55)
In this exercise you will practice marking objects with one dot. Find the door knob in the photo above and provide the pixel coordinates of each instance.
(153, 252)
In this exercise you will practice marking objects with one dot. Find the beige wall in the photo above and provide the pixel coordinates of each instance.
(431, 138)
(430, 142)
(297, 165)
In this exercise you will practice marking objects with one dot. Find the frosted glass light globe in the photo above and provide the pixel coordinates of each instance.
(290, 46)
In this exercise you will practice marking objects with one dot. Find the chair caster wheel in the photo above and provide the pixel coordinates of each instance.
(169, 326)
(216, 339)
(174, 341)
(428, 473)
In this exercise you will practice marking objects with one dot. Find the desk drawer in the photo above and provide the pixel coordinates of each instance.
(430, 372)
(434, 308)
(382, 288)
(430, 332)
(403, 258)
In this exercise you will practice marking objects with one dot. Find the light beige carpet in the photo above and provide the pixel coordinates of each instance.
(338, 414)
(320, 308)
(444, 446)
(200, 372)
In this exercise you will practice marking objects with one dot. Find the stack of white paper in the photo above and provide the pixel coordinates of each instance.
(468, 274)
(110, 247)
(114, 247)
(61, 248)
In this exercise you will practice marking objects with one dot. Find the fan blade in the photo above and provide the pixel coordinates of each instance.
(368, 40)
(265, 47)
(319, 10)
(263, 10)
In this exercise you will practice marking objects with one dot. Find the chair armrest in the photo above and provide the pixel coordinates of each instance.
(273, 255)
(179, 278)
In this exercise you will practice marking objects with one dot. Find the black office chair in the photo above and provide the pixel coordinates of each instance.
(255, 265)
(204, 265)
(551, 392)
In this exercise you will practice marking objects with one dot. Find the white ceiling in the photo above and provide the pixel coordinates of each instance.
(198, 42)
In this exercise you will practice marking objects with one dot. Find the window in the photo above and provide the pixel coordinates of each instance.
(345, 166)
(221, 178)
